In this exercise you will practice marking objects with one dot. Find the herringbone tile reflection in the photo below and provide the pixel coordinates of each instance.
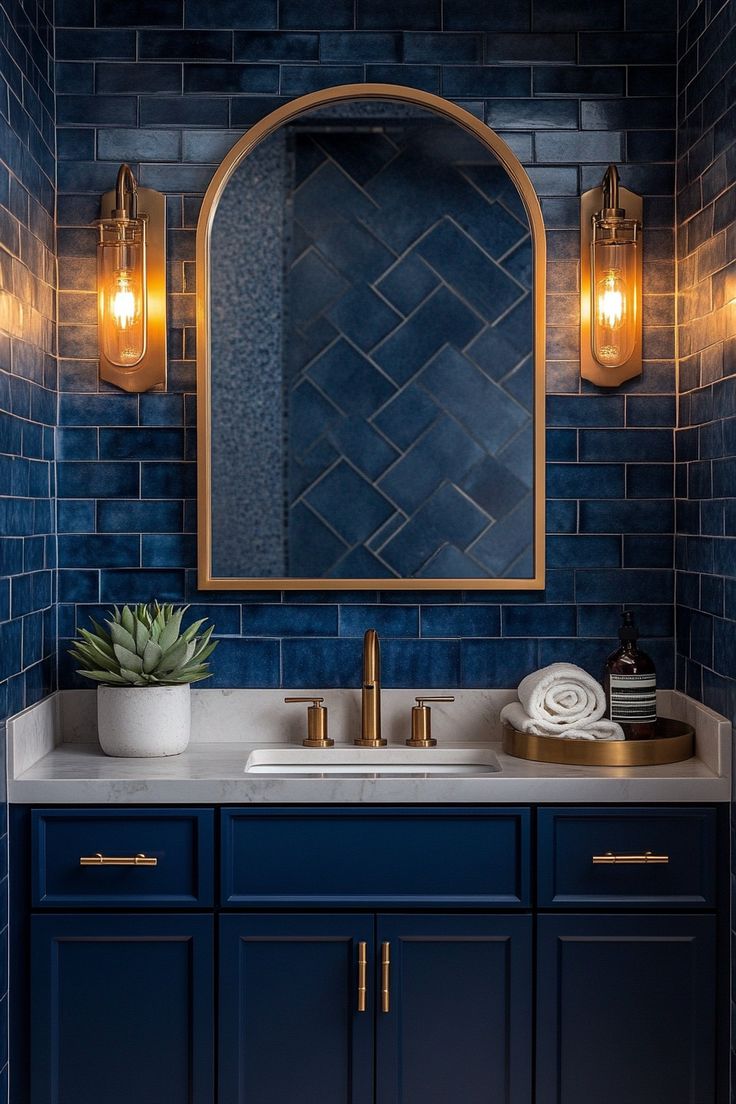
(410, 384)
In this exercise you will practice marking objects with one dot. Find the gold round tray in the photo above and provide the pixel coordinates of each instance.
(673, 742)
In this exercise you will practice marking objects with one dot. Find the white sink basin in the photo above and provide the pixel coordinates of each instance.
(369, 762)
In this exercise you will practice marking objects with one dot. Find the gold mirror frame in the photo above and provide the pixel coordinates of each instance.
(228, 166)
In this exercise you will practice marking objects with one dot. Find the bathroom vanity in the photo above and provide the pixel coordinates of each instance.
(304, 938)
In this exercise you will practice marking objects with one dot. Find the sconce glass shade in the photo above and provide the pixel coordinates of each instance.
(121, 284)
(614, 286)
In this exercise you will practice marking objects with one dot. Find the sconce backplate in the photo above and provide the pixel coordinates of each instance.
(151, 371)
(590, 202)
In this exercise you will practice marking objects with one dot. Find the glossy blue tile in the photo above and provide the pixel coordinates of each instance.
(631, 585)
(585, 480)
(284, 620)
(479, 15)
(231, 79)
(395, 620)
(141, 444)
(141, 585)
(93, 550)
(359, 46)
(75, 515)
(316, 14)
(640, 445)
(490, 664)
(648, 551)
(539, 621)
(168, 550)
(244, 663)
(643, 516)
(460, 621)
(327, 663)
(79, 479)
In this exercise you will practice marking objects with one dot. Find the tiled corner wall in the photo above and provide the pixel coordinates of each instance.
(705, 486)
(27, 387)
(170, 88)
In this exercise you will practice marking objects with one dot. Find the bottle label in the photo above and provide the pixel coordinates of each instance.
(633, 698)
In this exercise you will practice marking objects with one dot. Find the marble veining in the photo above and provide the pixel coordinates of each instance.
(55, 757)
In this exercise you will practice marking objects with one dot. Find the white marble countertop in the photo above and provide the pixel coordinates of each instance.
(54, 759)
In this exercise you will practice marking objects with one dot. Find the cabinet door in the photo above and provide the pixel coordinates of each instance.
(122, 1009)
(457, 1025)
(290, 1025)
(626, 1009)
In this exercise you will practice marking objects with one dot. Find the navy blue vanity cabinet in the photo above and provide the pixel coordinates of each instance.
(369, 955)
(121, 1009)
(296, 1009)
(626, 1009)
(628, 999)
(454, 1009)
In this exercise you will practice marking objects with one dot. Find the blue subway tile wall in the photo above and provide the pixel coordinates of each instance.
(27, 387)
(172, 87)
(705, 449)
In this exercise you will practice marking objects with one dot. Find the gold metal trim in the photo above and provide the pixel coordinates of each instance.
(362, 976)
(647, 859)
(117, 860)
(241, 149)
(421, 722)
(316, 723)
(151, 371)
(385, 977)
(673, 743)
(590, 202)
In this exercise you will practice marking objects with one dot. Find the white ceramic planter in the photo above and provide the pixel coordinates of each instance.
(143, 721)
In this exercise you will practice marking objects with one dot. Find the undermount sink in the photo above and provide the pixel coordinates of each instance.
(388, 761)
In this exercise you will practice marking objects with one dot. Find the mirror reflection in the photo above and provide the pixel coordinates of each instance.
(372, 378)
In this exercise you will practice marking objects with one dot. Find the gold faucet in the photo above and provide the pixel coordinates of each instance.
(370, 728)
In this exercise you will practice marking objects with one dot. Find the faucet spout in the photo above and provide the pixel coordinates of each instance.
(370, 728)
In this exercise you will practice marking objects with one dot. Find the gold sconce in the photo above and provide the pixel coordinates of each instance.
(131, 285)
(610, 282)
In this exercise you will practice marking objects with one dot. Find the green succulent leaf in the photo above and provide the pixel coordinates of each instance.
(104, 676)
(128, 620)
(128, 659)
(151, 657)
(170, 634)
(121, 637)
(142, 636)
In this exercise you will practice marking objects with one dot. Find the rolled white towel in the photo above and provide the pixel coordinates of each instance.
(515, 715)
(560, 696)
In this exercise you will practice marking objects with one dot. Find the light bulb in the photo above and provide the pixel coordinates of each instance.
(123, 307)
(611, 301)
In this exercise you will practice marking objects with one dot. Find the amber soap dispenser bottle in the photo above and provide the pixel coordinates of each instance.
(630, 682)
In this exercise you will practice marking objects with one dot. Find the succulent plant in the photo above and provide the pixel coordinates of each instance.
(144, 646)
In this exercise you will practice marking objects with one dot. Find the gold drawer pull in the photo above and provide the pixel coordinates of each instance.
(385, 977)
(362, 976)
(117, 860)
(610, 859)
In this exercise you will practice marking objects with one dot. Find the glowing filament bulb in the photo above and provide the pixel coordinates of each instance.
(611, 301)
(123, 308)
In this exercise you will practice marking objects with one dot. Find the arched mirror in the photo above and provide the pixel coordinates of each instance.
(370, 352)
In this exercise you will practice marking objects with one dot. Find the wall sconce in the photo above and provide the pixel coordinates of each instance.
(610, 282)
(131, 285)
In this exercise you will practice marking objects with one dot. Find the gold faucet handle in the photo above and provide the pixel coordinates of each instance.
(421, 722)
(316, 723)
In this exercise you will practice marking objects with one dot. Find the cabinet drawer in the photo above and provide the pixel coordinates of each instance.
(596, 857)
(375, 856)
(179, 840)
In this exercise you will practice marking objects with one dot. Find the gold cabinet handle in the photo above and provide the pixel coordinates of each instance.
(647, 859)
(117, 860)
(362, 976)
(385, 977)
